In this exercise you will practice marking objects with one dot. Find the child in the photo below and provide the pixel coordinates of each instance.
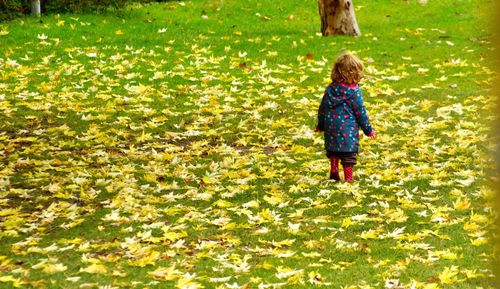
(341, 113)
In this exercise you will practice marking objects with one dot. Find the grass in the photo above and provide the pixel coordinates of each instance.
(179, 135)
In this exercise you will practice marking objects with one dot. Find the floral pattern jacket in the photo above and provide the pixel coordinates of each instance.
(340, 115)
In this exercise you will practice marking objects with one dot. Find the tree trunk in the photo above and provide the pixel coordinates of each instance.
(35, 8)
(337, 17)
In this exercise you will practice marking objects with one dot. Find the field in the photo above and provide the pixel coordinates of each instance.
(173, 146)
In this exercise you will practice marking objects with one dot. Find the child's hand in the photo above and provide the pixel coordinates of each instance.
(372, 134)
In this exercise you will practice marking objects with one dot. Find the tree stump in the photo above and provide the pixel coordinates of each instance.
(36, 8)
(337, 17)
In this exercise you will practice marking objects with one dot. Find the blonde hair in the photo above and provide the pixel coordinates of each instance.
(347, 68)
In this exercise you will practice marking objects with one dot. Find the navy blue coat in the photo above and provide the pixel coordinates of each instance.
(340, 115)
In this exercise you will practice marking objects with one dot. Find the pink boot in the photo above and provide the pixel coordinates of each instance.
(334, 169)
(348, 174)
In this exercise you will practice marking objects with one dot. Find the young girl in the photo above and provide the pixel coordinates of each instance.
(341, 113)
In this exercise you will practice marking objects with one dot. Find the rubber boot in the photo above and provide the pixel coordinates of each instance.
(348, 174)
(334, 169)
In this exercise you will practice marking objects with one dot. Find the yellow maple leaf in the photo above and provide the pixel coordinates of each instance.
(54, 268)
(47, 266)
(274, 199)
(165, 274)
(449, 275)
(461, 204)
(95, 269)
(16, 282)
(346, 222)
(149, 258)
(188, 282)
(137, 89)
(479, 241)
(472, 274)
(222, 204)
(251, 204)
(471, 227)
(370, 234)
(174, 236)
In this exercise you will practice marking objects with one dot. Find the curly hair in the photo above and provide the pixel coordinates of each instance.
(347, 68)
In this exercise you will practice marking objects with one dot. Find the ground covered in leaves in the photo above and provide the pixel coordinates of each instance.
(172, 146)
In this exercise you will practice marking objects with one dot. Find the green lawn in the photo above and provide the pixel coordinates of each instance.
(172, 146)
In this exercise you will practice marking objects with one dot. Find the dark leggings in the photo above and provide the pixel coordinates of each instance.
(346, 158)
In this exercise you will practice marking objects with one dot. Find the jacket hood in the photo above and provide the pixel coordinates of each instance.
(339, 94)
